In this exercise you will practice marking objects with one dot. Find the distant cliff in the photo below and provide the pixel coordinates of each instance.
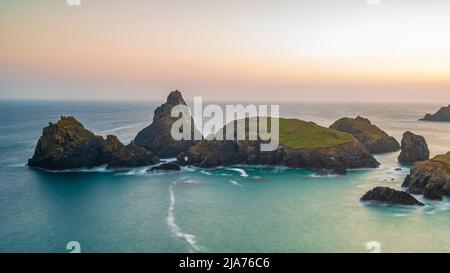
(442, 115)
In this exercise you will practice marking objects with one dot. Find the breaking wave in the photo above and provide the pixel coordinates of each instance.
(176, 231)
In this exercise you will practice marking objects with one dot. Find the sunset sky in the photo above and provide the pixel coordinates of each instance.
(250, 50)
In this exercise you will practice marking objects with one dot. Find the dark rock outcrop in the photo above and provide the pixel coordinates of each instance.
(348, 154)
(442, 115)
(68, 145)
(118, 155)
(157, 137)
(430, 178)
(372, 137)
(390, 196)
(414, 148)
(169, 166)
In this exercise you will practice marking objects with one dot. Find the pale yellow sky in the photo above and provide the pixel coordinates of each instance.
(227, 50)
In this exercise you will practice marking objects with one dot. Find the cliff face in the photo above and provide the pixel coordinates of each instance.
(68, 145)
(442, 114)
(157, 137)
(414, 148)
(302, 145)
(372, 137)
(430, 178)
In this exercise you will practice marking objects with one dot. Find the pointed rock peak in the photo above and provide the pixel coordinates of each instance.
(362, 119)
(175, 98)
(69, 121)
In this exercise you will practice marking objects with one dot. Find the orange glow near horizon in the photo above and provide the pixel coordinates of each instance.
(223, 45)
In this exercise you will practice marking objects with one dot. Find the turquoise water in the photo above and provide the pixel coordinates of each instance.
(236, 209)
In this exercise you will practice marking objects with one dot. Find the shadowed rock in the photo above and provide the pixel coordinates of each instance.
(390, 196)
(157, 137)
(170, 166)
(68, 145)
(375, 139)
(430, 178)
(414, 148)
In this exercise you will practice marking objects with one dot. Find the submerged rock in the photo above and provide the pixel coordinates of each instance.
(169, 166)
(157, 137)
(390, 196)
(430, 178)
(414, 148)
(372, 137)
(302, 145)
(68, 145)
(442, 114)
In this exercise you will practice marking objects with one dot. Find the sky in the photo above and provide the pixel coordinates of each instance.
(252, 50)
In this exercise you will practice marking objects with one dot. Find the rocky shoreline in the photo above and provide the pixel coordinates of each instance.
(347, 153)
(68, 145)
(347, 144)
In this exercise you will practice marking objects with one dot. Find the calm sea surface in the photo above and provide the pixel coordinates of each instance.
(237, 209)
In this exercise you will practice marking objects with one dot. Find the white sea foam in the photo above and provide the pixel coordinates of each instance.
(318, 175)
(173, 159)
(205, 172)
(235, 183)
(99, 169)
(136, 171)
(400, 215)
(190, 181)
(121, 128)
(241, 172)
(188, 169)
(18, 165)
(176, 231)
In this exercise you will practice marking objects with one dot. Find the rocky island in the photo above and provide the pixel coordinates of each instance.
(302, 145)
(442, 115)
(68, 145)
(390, 196)
(372, 137)
(157, 138)
(414, 148)
(430, 178)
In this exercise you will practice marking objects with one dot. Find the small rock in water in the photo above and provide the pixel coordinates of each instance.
(398, 169)
(390, 196)
(170, 166)
(337, 171)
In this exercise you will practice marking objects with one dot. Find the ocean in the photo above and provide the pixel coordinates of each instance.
(229, 209)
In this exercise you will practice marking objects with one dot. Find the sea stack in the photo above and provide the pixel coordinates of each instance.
(390, 196)
(442, 115)
(372, 137)
(414, 148)
(430, 178)
(68, 145)
(157, 137)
